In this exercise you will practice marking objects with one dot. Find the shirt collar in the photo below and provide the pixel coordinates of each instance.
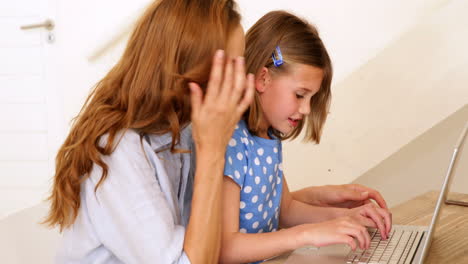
(160, 142)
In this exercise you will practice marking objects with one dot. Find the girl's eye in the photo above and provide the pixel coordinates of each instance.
(298, 96)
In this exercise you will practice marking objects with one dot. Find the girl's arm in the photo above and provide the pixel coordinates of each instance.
(294, 212)
(241, 248)
(344, 196)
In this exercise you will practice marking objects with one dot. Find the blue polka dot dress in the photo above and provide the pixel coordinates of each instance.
(255, 164)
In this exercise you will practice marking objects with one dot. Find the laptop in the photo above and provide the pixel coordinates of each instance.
(406, 244)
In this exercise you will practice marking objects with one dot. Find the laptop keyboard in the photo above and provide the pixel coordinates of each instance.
(399, 248)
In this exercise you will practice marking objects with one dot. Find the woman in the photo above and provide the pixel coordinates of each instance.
(122, 190)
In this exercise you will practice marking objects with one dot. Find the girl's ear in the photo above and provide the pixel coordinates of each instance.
(262, 80)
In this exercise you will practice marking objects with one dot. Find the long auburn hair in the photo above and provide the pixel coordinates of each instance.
(147, 90)
(299, 42)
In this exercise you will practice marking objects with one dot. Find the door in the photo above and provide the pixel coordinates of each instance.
(30, 126)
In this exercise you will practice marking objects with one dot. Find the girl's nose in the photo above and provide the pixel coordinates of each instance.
(304, 108)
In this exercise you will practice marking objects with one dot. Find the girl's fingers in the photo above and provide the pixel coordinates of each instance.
(195, 97)
(348, 240)
(373, 194)
(377, 218)
(386, 217)
(216, 75)
(367, 221)
(356, 233)
(364, 234)
(248, 94)
(376, 196)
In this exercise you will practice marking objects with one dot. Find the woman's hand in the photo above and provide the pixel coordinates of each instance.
(343, 196)
(342, 230)
(215, 115)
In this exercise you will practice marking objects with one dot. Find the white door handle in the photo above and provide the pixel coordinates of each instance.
(48, 24)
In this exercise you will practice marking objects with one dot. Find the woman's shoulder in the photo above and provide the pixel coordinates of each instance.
(123, 140)
(127, 164)
(127, 146)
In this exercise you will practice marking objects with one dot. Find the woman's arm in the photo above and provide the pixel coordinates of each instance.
(203, 235)
(214, 117)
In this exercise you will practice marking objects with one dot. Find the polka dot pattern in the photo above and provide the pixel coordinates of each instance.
(257, 180)
(232, 142)
(255, 165)
(242, 205)
(260, 151)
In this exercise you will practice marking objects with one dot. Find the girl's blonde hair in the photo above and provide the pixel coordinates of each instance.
(299, 43)
(146, 90)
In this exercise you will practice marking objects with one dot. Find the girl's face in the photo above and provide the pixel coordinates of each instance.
(285, 98)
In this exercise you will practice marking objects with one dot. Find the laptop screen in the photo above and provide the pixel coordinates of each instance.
(444, 191)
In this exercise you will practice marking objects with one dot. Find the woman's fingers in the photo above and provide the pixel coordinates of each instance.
(216, 111)
(248, 95)
(240, 84)
(216, 76)
(228, 83)
(196, 96)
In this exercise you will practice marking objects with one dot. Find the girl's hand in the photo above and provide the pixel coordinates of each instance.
(353, 195)
(371, 215)
(343, 196)
(342, 230)
(228, 95)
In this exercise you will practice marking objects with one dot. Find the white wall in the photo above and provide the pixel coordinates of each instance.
(416, 81)
(80, 31)
(353, 31)
(422, 164)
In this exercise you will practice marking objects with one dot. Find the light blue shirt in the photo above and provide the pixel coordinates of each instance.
(139, 213)
(255, 164)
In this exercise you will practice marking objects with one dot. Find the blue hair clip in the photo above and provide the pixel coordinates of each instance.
(278, 57)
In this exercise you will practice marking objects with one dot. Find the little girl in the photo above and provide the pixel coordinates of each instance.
(293, 78)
